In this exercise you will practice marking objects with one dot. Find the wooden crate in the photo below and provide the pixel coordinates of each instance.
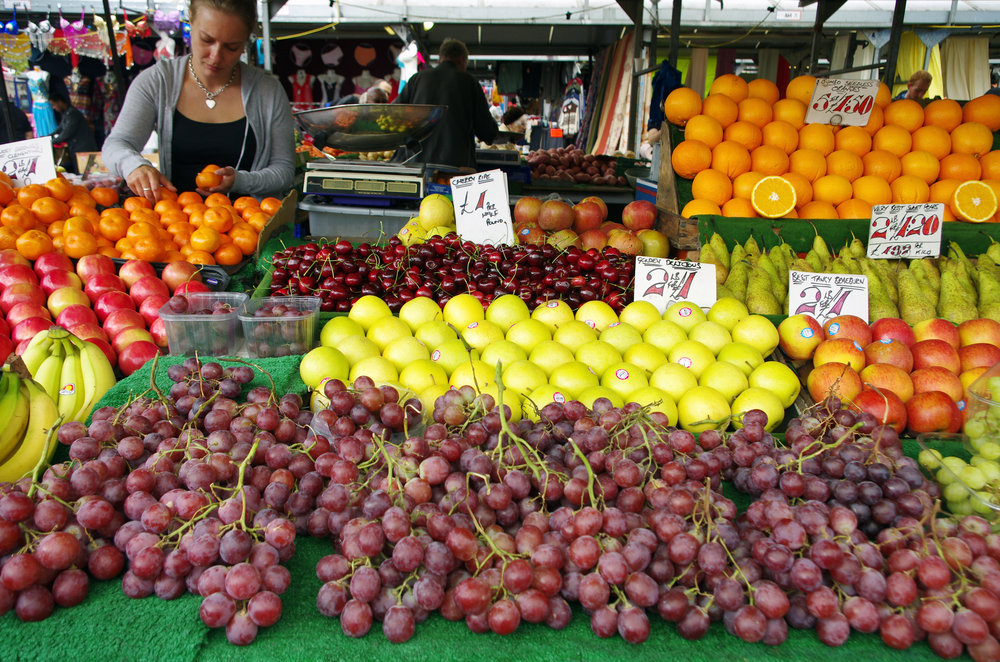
(682, 232)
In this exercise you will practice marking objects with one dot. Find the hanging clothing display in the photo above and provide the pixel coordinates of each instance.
(110, 98)
(41, 109)
(16, 50)
(509, 77)
(572, 108)
(302, 90)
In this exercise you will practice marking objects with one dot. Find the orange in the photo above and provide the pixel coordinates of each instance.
(773, 197)
(173, 216)
(700, 127)
(974, 202)
(270, 206)
(801, 88)
(909, 189)
(854, 139)
(962, 167)
(708, 185)
(792, 111)
(228, 255)
(747, 134)
(990, 163)
(818, 137)
(756, 111)
(109, 251)
(76, 244)
(217, 200)
(115, 211)
(780, 134)
(691, 157)
(8, 238)
(985, 110)
(943, 113)
(743, 185)
(165, 205)
(59, 188)
(148, 248)
(807, 162)
(721, 108)
(101, 241)
(88, 213)
(55, 229)
(730, 85)
(244, 239)
(882, 164)
(738, 208)
(893, 139)
(28, 194)
(112, 228)
(906, 113)
(844, 163)
(731, 158)
(125, 244)
(243, 202)
(700, 208)
(175, 228)
(876, 120)
(140, 229)
(33, 244)
(78, 224)
(104, 196)
(769, 160)
(163, 236)
(207, 239)
(182, 238)
(250, 211)
(803, 188)
(211, 167)
(18, 218)
(260, 219)
(48, 209)
(922, 165)
(942, 190)
(762, 88)
(200, 257)
(6, 194)
(833, 189)
(854, 209)
(884, 96)
(145, 216)
(932, 139)
(173, 256)
(5, 178)
(971, 138)
(185, 249)
(188, 198)
(681, 105)
(818, 209)
(128, 255)
(872, 189)
(207, 180)
(135, 202)
(57, 244)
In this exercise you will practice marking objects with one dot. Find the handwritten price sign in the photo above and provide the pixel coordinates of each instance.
(839, 101)
(824, 296)
(910, 231)
(482, 209)
(663, 282)
(28, 161)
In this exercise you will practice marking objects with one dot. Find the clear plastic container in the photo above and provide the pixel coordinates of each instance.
(982, 406)
(216, 334)
(969, 485)
(292, 332)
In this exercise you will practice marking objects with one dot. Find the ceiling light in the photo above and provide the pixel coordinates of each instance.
(389, 29)
(428, 25)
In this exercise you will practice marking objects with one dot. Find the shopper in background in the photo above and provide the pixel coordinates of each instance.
(916, 88)
(377, 93)
(994, 83)
(73, 128)
(22, 127)
(468, 117)
(207, 108)
(514, 120)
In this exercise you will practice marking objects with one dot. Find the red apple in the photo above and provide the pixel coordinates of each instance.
(586, 216)
(625, 241)
(527, 209)
(936, 352)
(111, 301)
(58, 278)
(150, 308)
(850, 327)
(16, 293)
(891, 351)
(839, 350)
(887, 408)
(562, 239)
(11, 256)
(89, 266)
(21, 346)
(933, 411)
(937, 328)
(979, 331)
(27, 329)
(639, 215)
(600, 203)
(159, 332)
(106, 348)
(593, 239)
(23, 311)
(16, 273)
(885, 377)
(555, 215)
(608, 226)
(836, 379)
(938, 379)
(146, 287)
(5, 328)
(65, 297)
(135, 356)
(528, 234)
(87, 331)
(76, 314)
(178, 272)
(6, 348)
(799, 335)
(893, 328)
(128, 336)
(122, 319)
(101, 283)
(654, 243)
(52, 262)
(133, 270)
(193, 286)
(978, 355)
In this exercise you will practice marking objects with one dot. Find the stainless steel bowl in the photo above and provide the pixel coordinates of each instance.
(371, 127)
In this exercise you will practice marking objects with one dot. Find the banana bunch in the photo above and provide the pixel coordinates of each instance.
(75, 373)
(30, 419)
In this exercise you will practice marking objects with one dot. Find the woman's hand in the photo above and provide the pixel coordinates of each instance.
(228, 176)
(146, 182)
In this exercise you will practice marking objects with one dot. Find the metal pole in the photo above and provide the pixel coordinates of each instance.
(264, 9)
(889, 76)
(633, 111)
(7, 117)
(116, 60)
(675, 31)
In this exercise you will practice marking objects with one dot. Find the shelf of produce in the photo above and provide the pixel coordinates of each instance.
(612, 195)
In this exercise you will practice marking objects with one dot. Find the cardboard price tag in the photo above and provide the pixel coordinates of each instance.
(910, 231)
(824, 296)
(482, 208)
(840, 101)
(663, 282)
(28, 161)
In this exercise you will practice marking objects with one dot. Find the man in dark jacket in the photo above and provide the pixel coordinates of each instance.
(468, 116)
(73, 128)
(22, 128)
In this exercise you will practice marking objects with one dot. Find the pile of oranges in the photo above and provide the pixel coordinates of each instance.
(742, 132)
(58, 215)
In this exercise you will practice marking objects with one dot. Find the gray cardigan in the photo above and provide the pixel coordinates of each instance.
(150, 105)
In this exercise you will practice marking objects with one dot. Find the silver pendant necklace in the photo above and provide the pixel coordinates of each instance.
(210, 96)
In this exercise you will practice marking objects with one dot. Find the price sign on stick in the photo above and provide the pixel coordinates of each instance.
(482, 208)
(840, 101)
(28, 161)
(824, 296)
(910, 231)
(663, 282)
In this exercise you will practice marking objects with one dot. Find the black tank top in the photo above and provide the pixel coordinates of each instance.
(196, 144)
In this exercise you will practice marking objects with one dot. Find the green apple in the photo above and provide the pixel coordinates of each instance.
(673, 379)
(510, 398)
(526, 334)
(380, 370)
(692, 355)
(452, 353)
(711, 334)
(640, 314)
(779, 379)
(549, 355)
(462, 310)
(573, 378)
(745, 357)
(664, 334)
(523, 377)
(404, 350)
(725, 378)
(323, 363)
(367, 309)
(703, 408)
(552, 314)
(337, 329)
(758, 398)
(473, 373)
(503, 352)
(599, 355)
(596, 314)
(623, 378)
(727, 311)
(507, 310)
(384, 331)
(421, 374)
(429, 395)
(656, 400)
(435, 332)
(356, 348)
(646, 356)
(594, 392)
(541, 396)
(574, 335)
(685, 315)
(757, 331)
(419, 310)
(620, 336)
(481, 333)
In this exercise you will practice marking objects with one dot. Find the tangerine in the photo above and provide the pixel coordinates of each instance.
(78, 224)
(28, 194)
(245, 239)
(8, 238)
(207, 180)
(217, 200)
(207, 239)
(6, 193)
(32, 244)
(104, 196)
(112, 228)
(228, 255)
(48, 210)
(18, 218)
(189, 198)
(59, 188)
(270, 206)
(135, 202)
(148, 248)
(200, 257)
(76, 244)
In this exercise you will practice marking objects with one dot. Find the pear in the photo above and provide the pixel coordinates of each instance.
(913, 305)
(933, 272)
(889, 270)
(986, 264)
(708, 256)
(989, 289)
(721, 291)
(857, 248)
(878, 268)
(994, 251)
(718, 245)
(780, 260)
(738, 255)
(925, 286)
(760, 299)
(990, 311)
(751, 247)
(737, 280)
(815, 262)
(800, 264)
(954, 303)
(878, 294)
(822, 252)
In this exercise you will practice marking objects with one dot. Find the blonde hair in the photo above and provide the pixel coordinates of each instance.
(921, 77)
